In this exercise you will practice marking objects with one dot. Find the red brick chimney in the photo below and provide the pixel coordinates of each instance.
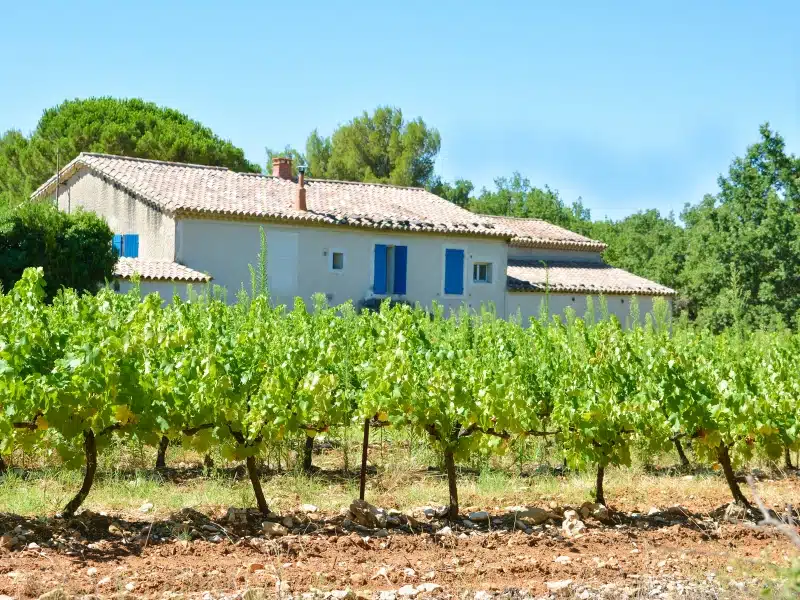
(282, 167)
(300, 200)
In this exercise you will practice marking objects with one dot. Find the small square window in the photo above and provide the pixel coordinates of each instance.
(482, 272)
(337, 261)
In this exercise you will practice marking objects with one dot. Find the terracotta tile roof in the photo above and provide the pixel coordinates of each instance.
(535, 233)
(158, 270)
(183, 189)
(578, 277)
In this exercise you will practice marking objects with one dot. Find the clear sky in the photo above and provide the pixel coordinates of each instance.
(630, 105)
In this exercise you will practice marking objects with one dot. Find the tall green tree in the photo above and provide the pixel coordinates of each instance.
(16, 182)
(644, 243)
(515, 197)
(459, 192)
(744, 242)
(129, 127)
(382, 147)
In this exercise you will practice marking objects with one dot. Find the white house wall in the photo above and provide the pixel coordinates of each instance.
(166, 289)
(123, 212)
(526, 305)
(224, 249)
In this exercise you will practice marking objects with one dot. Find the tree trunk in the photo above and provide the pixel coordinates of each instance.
(362, 489)
(161, 459)
(450, 467)
(208, 462)
(90, 454)
(308, 450)
(599, 493)
(684, 459)
(724, 458)
(252, 471)
(787, 459)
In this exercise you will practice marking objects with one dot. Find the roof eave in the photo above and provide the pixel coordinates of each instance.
(529, 242)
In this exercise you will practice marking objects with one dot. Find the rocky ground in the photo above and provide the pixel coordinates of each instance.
(584, 552)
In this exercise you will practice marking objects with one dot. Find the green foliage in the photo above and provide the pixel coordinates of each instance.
(74, 250)
(457, 192)
(515, 197)
(242, 377)
(748, 237)
(380, 148)
(128, 127)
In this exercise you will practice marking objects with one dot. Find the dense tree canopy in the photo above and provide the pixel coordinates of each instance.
(127, 127)
(74, 250)
(382, 147)
(743, 244)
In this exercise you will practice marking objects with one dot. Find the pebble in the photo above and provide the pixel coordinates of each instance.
(557, 586)
(408, 591)
(273, 529)
(308, 508)
(91, 571)
(480, 516)
(146, 507)
(562, 560)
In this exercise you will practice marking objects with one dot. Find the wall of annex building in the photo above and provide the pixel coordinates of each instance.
(527, 305)
(166, 289)
(299, 261)
(123, 212)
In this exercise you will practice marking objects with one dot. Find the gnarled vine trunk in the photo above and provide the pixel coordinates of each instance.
(90, 455)
(3, 466)
(724, 458)
(208, 462)
(787, 458)
(362, 483)
(252, 472)
(599, 493)
(308, 451)
(684, 459)
(161, 458)
(450, 468)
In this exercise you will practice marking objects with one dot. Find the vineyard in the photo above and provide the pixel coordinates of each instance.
(83, 369)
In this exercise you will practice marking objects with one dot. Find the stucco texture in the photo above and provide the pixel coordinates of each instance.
(224, 249)
(124, 213)
(166, 289)
(527, 305)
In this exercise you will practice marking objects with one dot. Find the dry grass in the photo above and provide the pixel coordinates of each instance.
(404, 479)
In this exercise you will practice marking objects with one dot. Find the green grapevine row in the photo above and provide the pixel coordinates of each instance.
(84, 368)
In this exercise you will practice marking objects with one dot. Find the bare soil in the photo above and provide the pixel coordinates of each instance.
(102, 555)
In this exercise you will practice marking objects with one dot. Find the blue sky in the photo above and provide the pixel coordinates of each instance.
(630, 105)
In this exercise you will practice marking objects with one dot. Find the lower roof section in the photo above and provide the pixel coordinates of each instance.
(579, 278)
(157, 270)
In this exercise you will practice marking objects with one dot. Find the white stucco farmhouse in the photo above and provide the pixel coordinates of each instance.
(177, 224)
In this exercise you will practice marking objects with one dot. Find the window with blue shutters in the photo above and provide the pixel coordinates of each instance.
(453, 271)
(127, 246)
(390, 270)
(130, 245)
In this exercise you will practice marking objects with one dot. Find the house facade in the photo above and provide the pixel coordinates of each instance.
(178, 224)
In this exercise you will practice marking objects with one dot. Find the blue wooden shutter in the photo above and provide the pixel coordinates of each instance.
(130, 245)
(453, 271)
(117, 243)
(400, 268)
(379, 283)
